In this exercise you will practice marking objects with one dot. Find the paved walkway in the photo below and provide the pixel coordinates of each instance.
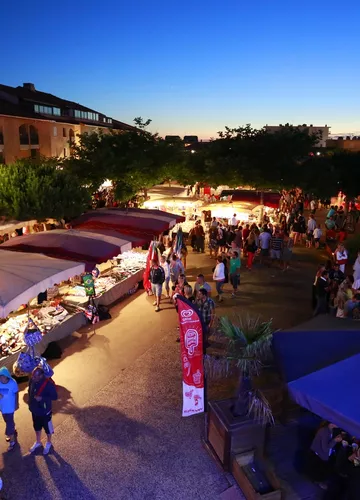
(119, 430)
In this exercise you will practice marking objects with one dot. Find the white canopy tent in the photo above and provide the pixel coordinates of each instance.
(24, 275)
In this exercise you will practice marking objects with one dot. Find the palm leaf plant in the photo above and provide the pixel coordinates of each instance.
(247, 344)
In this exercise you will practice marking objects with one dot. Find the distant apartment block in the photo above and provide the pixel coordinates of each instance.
(348, 143)
(34, 123)
(323, 130)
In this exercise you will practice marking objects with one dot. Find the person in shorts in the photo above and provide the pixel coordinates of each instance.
(9, 403)
(42, 392)
(276, 246)
(157, 278)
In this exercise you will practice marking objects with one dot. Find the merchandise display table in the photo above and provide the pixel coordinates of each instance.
(66, 328)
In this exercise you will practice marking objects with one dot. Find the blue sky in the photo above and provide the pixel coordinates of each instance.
(191, 67)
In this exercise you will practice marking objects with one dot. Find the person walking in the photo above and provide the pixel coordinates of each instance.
(264, 243)
(201, 283)
(311, 226)
(157, 278)
(250, 247)
(206, 308)
(219, 276)
(341, 257)
(9, 403)
(235, 265)
(200, 237)
(176, 268)
(166, 266)
(276, 246)
(42, 392)
(322, 291)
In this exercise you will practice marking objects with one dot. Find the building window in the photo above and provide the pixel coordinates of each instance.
(71, 136)
(34, 154)
(2, 158)
(55, 131)
(109, 120)
(64, 152)
(1, 137)
(34, 136)
(64, 132)
(86, 115)
(47, 110)
(23, 135)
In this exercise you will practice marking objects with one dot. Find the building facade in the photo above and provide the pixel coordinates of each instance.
(348, 143)
(324, 131)
(34, 124)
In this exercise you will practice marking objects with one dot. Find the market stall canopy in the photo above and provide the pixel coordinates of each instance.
(320, 367)
(23, 276)
(158, 214)
(127, 224)
(135, 241)
(71, 245)
(270, 199)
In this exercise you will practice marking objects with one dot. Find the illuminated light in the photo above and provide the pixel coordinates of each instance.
(318, 153)
(193, 150)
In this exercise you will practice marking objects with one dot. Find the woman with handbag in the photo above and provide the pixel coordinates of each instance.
(9, 403)
(42, 392)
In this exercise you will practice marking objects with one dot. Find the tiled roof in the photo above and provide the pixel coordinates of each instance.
(19, 101)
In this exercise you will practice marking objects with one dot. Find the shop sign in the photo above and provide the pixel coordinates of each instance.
(191, 342)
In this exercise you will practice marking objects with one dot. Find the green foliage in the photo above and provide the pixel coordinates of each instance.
(133, 160)
(40, 189)
(247, 345)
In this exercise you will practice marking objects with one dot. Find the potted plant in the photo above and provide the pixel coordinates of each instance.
(238, 424)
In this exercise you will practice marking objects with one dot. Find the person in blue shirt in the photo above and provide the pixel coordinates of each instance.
(9, 402)
(331, 212)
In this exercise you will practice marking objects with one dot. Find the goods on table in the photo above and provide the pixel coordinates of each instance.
(12, 331)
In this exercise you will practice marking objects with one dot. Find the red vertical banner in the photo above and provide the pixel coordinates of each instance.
(191, 342)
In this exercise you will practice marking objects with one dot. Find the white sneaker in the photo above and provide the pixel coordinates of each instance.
(34, 447)
(154, 303)
(47, 448)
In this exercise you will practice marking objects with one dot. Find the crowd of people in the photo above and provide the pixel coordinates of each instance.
(335, 291)
(334, 463)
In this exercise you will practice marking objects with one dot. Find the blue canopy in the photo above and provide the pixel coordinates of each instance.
(332, 393)
(321, 368)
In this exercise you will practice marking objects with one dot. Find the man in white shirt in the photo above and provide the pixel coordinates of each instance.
(317, 235)
(264, 242)
(233, 222)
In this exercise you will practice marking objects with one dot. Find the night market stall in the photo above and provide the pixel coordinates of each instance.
(25, 276)
(92, 249)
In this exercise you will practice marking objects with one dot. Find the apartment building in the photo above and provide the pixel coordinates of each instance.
(323, 131)
(34, 123)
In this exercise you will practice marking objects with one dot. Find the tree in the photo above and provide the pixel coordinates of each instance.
(39, 190)
(134, 160)
(248, 343)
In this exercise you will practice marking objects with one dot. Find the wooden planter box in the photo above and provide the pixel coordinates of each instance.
(255, 479)
(228, 435)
